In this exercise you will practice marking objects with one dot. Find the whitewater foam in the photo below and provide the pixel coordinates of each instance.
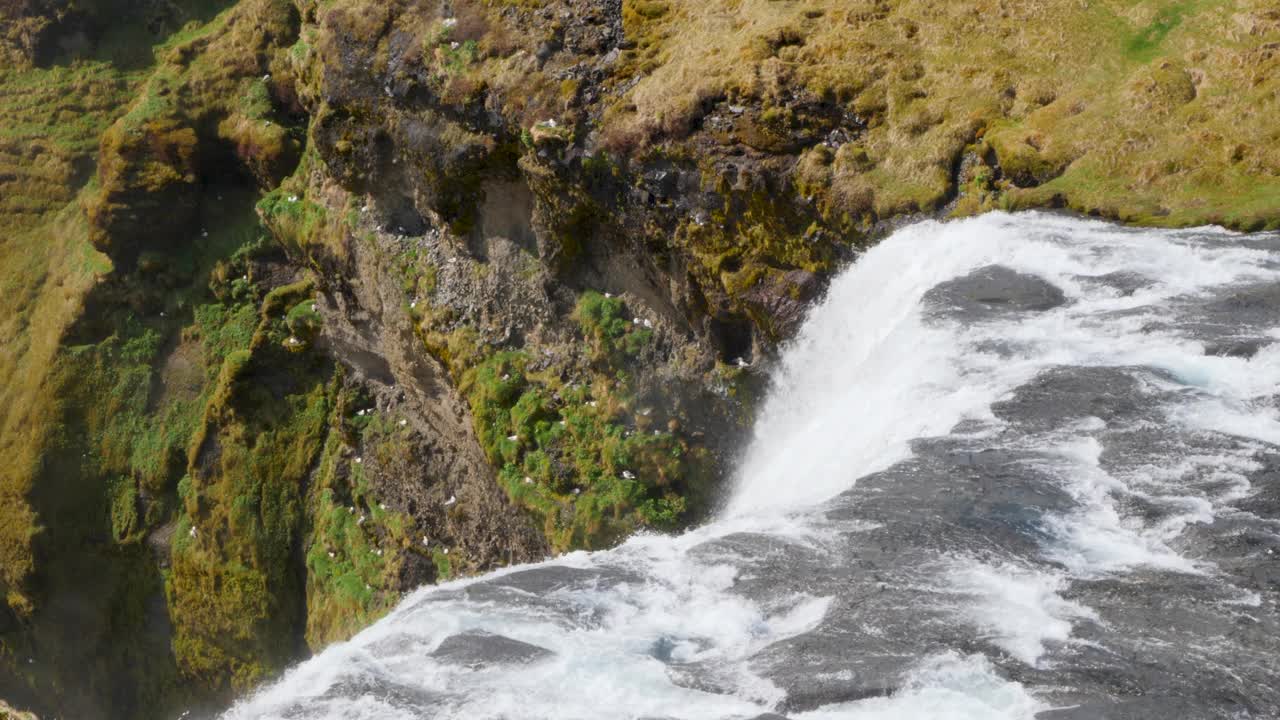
(1020, 608)
(675, 627)
(943, 686)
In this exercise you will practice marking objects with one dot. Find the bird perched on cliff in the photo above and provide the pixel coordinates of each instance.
(452, 499)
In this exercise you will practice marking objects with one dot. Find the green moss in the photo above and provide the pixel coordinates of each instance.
(112, 414)
(456, 59)
(268, 422)
(1144, 45)
(130, 405)
(303, 319)
(566, 454)
(1021, 155)
(355, 546)
(612, 336)
(124, 508)
(443, 563)
(293, 217)
(205, 93)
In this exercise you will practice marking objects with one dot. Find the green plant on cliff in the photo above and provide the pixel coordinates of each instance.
(293, 216)
(612, 336)
(581, 457)
(262, 429)
(129, 403)
(356, 546)
(98, 428)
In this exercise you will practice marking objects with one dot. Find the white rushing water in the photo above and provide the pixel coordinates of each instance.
(723, 621)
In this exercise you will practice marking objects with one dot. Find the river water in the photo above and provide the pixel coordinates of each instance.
(1019, 466)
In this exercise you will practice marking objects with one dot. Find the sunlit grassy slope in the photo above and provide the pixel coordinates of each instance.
(1153, 111)
(52, 119)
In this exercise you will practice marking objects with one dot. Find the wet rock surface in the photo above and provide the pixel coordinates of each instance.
(992, 292)
(1255, 306)
(479, 649)
(1124, 283)
(1063, 395)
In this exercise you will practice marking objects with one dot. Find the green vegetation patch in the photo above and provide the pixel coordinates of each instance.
(355, 546)
(264, 425)
(1145, 44)
(579, 455)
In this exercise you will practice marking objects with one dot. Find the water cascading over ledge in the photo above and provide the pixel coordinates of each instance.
(1012, 467)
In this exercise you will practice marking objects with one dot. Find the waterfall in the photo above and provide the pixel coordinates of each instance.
(1018, 466)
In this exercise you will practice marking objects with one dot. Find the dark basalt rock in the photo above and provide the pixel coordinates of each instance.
(1257, 305)
(1244, 348)
(784, 299)
(1125, 283)
(478, 649)
(990, 292)
(543, 580)
(1064, 395)
(385, 690)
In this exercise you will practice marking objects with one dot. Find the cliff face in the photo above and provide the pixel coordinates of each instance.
(309, 303)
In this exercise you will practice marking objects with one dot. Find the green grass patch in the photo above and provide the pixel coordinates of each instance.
(1145, 44)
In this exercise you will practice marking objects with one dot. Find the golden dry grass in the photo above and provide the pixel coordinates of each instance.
(1151, 111)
